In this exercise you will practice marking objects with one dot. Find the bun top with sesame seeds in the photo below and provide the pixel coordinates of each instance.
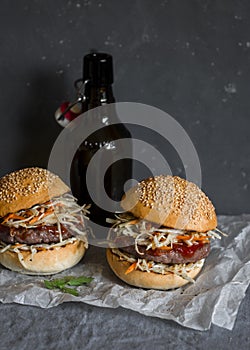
(172, 202)
(26, 187)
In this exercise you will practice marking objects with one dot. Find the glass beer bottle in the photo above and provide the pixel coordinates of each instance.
(98, 77)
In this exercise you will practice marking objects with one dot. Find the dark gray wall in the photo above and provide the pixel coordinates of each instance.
(188, 58)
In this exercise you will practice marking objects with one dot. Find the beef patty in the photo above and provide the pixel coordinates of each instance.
(41, 234)
(179, 254)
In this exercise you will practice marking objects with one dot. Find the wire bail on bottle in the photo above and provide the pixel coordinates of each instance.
(68, 111)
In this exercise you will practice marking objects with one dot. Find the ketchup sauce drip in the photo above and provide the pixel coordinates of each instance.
(183, 249)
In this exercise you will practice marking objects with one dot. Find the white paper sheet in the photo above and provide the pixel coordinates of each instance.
(214, 297)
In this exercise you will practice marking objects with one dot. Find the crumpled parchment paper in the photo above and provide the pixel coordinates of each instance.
(214, 298)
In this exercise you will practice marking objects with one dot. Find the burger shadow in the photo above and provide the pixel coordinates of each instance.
(95, 255)
(37, 126)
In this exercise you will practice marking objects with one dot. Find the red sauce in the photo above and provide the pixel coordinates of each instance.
(183, 249)
(187, 251)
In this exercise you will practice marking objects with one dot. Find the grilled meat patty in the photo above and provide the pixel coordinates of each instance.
(41, 234)
(179, 254)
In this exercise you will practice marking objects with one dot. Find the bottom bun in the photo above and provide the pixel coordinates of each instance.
(150, 280)
(45, 262)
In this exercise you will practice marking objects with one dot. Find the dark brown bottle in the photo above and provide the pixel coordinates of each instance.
(98, 75)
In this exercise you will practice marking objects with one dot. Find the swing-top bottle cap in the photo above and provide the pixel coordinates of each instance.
(98, 68)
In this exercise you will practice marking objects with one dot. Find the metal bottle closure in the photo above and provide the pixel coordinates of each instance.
(68, 111)
(97, 70)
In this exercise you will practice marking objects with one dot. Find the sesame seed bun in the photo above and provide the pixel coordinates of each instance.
(44, 262)
(26, 187)
(172, 202)
(149, 280)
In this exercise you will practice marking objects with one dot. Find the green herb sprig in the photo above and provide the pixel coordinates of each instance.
(66, 282)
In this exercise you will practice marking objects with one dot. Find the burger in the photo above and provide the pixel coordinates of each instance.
(163, 237)
(42, 228)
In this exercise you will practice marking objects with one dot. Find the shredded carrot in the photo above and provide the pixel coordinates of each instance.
(184, 237)
(13, 216)
(131, 268)
(48, 212)
(133, 222)
(164, 248)
(197, 239)
(35, 219)
(205, 239)
(58, 205)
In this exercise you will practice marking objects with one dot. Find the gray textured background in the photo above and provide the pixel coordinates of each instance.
(188, 58)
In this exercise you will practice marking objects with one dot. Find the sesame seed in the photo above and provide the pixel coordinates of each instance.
(36, 179)
(176, 194)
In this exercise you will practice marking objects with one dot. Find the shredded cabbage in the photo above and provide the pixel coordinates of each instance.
(152, 266)
(149, 235)
(36, 247)
(58, 211)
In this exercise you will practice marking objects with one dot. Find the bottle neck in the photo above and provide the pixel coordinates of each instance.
(96, 96)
